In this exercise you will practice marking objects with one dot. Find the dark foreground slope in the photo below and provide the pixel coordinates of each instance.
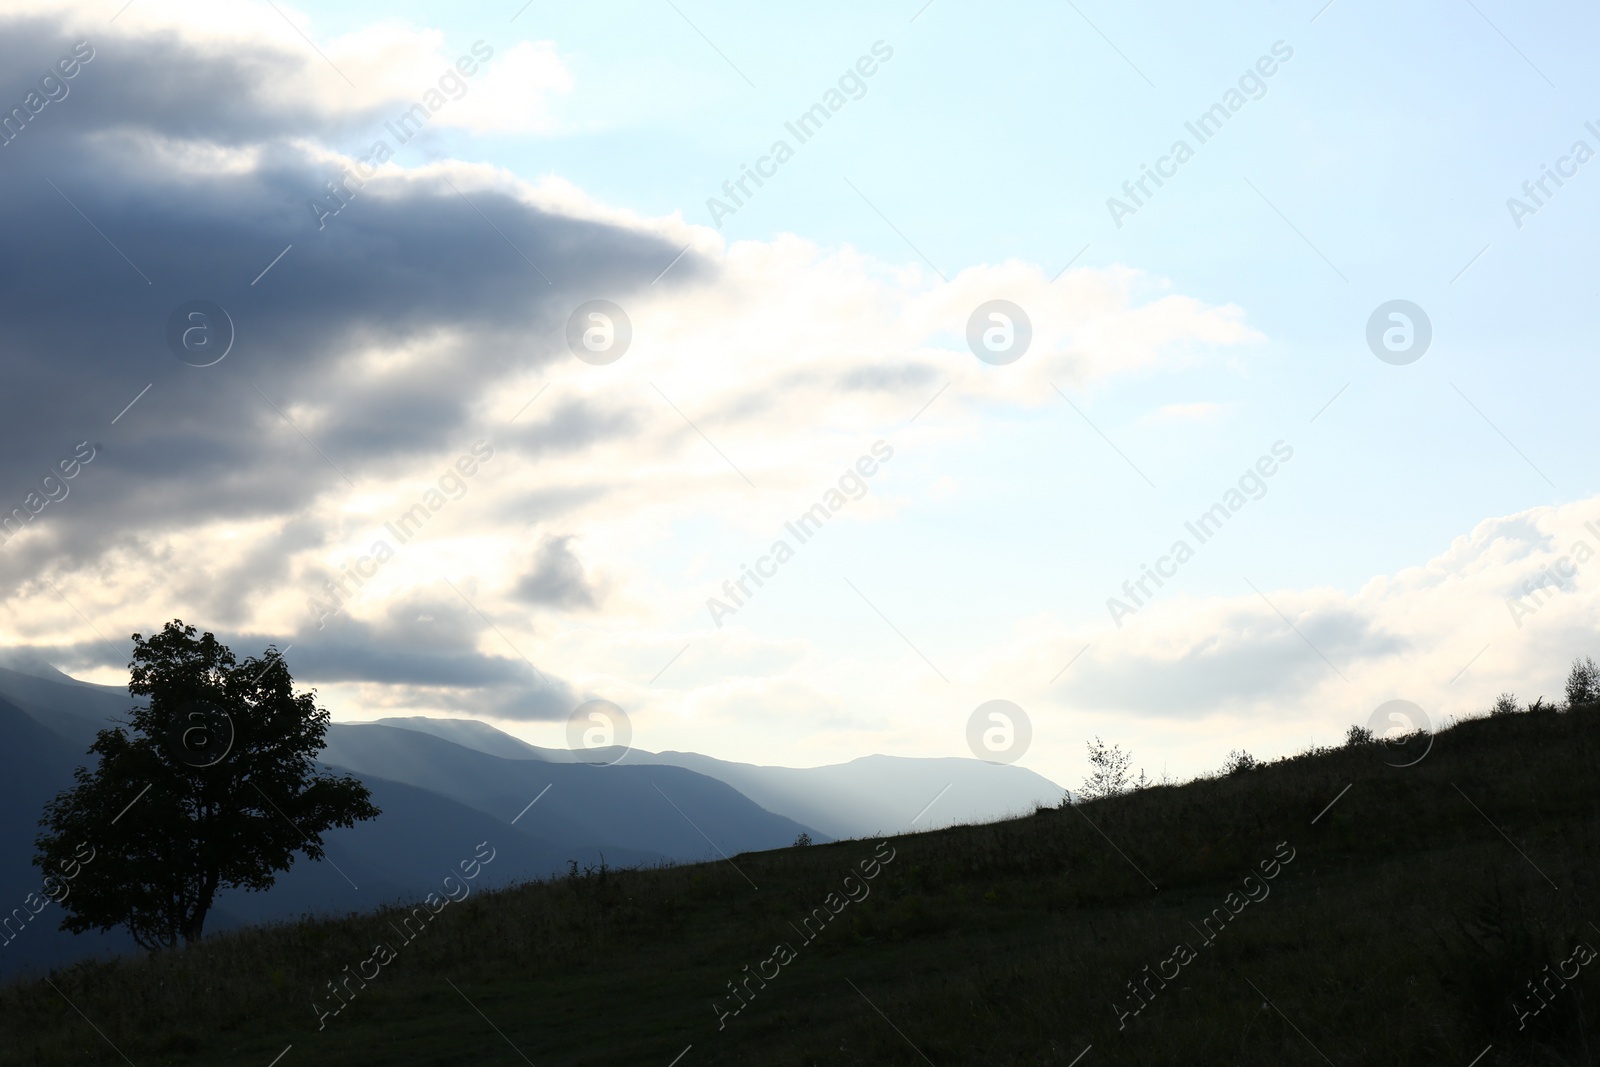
(1400, 926)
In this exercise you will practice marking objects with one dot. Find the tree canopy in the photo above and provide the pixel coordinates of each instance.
(208, 786)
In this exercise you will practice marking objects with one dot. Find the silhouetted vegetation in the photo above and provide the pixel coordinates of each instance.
(1427, 914)
(211, 787)
(1108, 775)
(1583, 683)
(1239, 762)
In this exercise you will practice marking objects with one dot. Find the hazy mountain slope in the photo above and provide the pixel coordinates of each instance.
(880, 794)
(35, 764)
(47, 721)
(873, 794)
(420, 838)
(660, 809)
(69, 708)
(470, 733)
(624, 810)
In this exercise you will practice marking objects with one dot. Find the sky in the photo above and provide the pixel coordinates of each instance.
(1393, 519)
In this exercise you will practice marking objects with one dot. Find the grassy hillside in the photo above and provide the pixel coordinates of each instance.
(1399, 927)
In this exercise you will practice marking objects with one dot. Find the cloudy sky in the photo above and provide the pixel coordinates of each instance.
(393, 222)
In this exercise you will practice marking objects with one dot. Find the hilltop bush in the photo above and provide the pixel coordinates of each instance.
(1583, 683)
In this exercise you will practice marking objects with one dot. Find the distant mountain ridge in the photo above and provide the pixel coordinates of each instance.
(439, 800)
(869, 795)
(667, 811)
(445, 785)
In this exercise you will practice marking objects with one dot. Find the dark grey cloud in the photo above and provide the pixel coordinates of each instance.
(405, 262)
(171, 172)
(155, 83)
(557, 578)
(429, 647)
(425, 640)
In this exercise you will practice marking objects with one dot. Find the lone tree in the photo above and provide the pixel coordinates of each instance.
(211, 787)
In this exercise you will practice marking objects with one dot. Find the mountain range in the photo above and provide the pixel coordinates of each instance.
(445, 785)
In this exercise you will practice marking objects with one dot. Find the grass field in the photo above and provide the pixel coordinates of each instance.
(1401, 925)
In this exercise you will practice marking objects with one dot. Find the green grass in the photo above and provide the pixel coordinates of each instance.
(1398, 935)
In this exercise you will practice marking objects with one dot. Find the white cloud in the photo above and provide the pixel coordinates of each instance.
(517, 93)
(1188, 678)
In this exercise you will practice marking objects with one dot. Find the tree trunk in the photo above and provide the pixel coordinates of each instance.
(195, 924)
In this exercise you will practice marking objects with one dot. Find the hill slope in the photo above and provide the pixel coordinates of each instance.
(1325, 909)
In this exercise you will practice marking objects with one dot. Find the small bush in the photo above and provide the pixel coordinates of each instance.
(1357, 736)
(1583, 683)
(1505, 704)
(1239, 762)
(1110, 777)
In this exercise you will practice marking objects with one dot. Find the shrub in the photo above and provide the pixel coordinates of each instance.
(1110, 775)
(1238, 762)
(1583, 683)
(1357, 736)
(1505, 704)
